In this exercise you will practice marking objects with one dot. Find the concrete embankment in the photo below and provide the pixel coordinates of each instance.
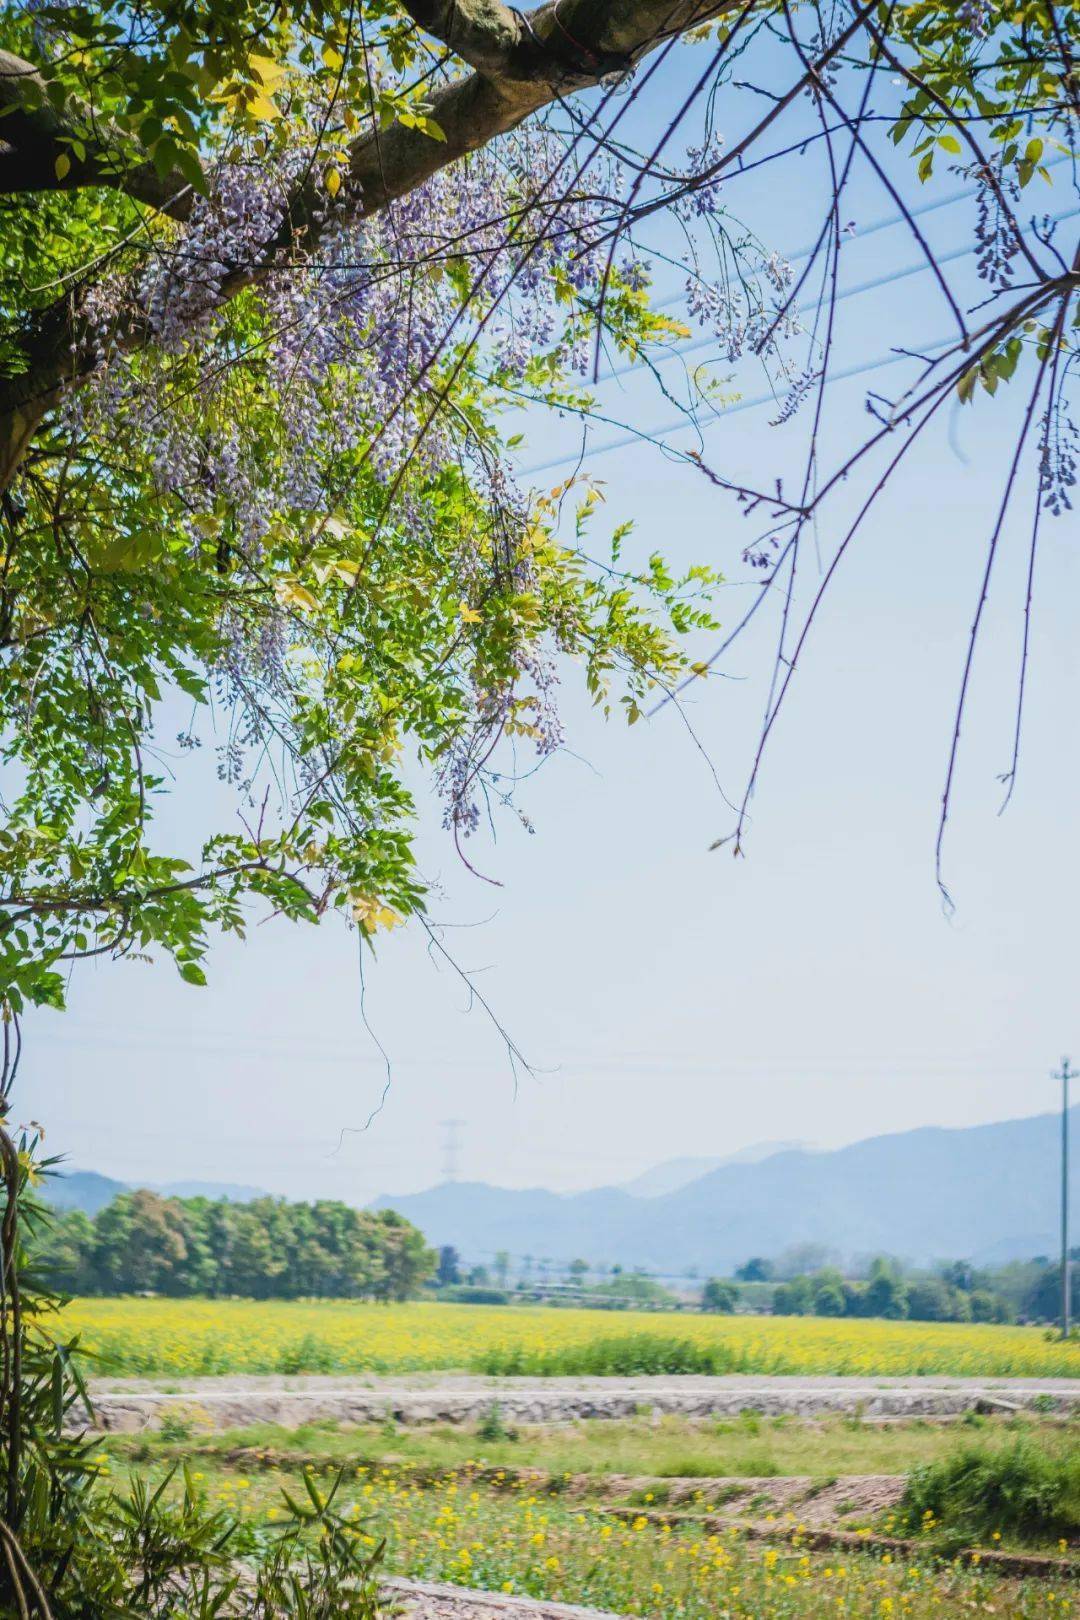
(128, 1405)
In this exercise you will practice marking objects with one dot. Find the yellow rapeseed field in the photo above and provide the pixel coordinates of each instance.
(184, 1338)
(524, 1542)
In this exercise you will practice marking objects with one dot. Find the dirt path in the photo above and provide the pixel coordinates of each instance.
(423, 1601)
(129, 1405)
(846, 1499)
(849, 1499)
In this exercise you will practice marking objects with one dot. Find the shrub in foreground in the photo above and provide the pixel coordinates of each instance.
(75, 1548)
(1020, 1490)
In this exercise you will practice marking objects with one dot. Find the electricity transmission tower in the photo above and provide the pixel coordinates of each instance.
(451, 1129)
(1065, 1074)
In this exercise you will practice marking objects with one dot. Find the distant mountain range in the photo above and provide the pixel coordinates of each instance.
(675, 1173)
(89, 1191)
(988, 1193)
(985, 1193)
(82, 1189)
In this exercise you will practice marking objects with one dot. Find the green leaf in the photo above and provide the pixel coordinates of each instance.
(165, 156)
(187, 161)
(123, 553)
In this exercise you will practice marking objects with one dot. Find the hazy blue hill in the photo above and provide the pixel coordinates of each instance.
(89, 1191)
(81, 1189)
(480, 1219)
(233, 1192)
(985, 1192)
(675, 1173)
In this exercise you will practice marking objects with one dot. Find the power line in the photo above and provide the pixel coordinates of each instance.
(843, 375)
(887, 221)
(224, 1041)
(919, 268)
(860, 288)
(770, 398)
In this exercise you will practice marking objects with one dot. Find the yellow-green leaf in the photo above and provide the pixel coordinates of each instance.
(371, 914)
(268, 71)
(262, 108)
(965, 388)
(341, 566)
(290, 593)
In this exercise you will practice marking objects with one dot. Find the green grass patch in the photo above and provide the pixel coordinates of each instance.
(676, 1447)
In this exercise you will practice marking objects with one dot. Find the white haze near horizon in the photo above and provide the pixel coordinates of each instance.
(672, 1002)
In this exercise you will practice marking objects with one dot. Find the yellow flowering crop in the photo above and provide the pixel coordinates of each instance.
(178, 1338)
(489, 1540)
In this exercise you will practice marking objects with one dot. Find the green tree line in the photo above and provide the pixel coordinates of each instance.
(266, 1249)
(888, 1293)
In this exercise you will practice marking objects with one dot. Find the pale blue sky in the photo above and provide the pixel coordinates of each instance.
(671, 1000)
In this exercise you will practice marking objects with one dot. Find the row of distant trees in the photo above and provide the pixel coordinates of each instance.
(804, 1281)
(605, 1286)
(270, 1249)
(266, 1249)
(954, 1291)
(889, 1294)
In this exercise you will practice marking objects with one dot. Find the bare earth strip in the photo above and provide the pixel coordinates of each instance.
(854, 1498)
(826, 1539)
(422, 1601)
(129, 1405)
(845, 1500)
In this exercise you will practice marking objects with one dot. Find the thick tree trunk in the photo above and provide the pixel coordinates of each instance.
(17, 429)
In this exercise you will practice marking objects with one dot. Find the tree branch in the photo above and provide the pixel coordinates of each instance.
(528, 61)
(33, 136)
(487, 35)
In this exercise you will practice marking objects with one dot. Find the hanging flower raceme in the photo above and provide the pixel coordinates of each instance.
(295, 498)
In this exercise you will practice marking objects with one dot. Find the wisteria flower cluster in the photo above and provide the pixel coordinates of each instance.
(346, 386)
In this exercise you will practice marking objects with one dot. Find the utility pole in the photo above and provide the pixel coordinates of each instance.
(1065, 1074)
